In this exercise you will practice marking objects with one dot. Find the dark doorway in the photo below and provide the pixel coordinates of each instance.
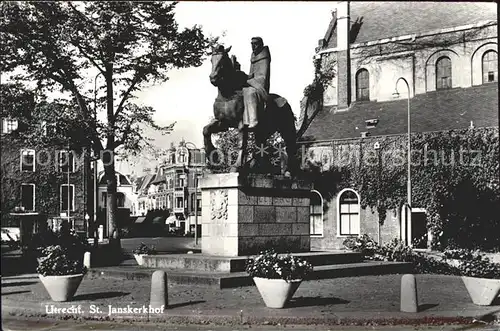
(419, 230)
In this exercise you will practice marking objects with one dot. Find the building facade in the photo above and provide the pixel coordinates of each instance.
(173, 186)
(441, 59)
(49, 182)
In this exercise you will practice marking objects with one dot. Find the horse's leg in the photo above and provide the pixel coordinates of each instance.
(207, 135)
(242, 150)
(286, 128)
(214, 126)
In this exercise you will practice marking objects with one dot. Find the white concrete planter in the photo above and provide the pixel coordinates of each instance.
(482, 291)
(61, 288)
(138, 258)
(276, 292)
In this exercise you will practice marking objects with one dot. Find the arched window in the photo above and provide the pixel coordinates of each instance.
(349, 209)
(120, 199)
(490, 66)
(362, 85)
(316, 214)
(443, 73)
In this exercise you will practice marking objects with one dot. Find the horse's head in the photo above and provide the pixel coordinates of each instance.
(221, 64)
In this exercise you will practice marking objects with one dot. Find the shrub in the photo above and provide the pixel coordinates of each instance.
(271, 265)
(363, 244)
(459, 254)
(55, 260)
(144, 249)
(396, 250)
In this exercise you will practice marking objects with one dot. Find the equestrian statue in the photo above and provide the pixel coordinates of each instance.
(244, 102)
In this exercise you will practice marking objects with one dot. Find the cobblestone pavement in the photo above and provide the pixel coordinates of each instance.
(365, 298)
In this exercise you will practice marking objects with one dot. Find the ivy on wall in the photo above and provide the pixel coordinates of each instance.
(454, 175)
(46, 177)
(323, 74)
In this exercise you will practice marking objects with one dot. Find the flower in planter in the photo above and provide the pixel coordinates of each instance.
(144, 249)
(480, 267)
(56, 261)
(271, 265)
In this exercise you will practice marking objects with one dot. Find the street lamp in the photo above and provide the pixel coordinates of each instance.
(87, 218)
(408, 185)
(198, 176)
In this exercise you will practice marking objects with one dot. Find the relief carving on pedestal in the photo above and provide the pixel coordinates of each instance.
(218, 202)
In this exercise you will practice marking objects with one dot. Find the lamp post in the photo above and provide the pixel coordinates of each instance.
(198, 176)
(68, 183)
(408, 184)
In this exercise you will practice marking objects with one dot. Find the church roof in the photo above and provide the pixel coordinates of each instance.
(431, 111)
(379, 20)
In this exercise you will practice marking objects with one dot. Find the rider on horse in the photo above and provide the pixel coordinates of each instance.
(256, 90)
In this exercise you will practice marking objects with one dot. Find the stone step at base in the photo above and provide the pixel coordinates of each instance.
(203, 263)
(237, 279)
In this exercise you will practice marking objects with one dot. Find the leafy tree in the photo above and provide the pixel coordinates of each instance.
(63, 45)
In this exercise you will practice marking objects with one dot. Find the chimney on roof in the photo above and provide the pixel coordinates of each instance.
(343, 54)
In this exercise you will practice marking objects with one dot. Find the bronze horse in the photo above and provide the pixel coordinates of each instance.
(228, 112)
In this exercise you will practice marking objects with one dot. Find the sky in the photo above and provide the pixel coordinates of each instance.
(291, 30)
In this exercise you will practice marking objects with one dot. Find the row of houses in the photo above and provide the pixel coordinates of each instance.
(172, 187)
(57, 184)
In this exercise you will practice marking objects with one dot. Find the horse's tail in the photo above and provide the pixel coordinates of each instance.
(285, 121)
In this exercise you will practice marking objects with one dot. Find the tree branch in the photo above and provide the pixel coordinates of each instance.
(126, 132)
(126, 95)
(101, 70)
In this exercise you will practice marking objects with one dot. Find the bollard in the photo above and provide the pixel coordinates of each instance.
(409, 300)
(159, 290)
(86, 260)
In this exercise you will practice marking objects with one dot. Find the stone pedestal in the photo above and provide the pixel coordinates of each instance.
(243, 215)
